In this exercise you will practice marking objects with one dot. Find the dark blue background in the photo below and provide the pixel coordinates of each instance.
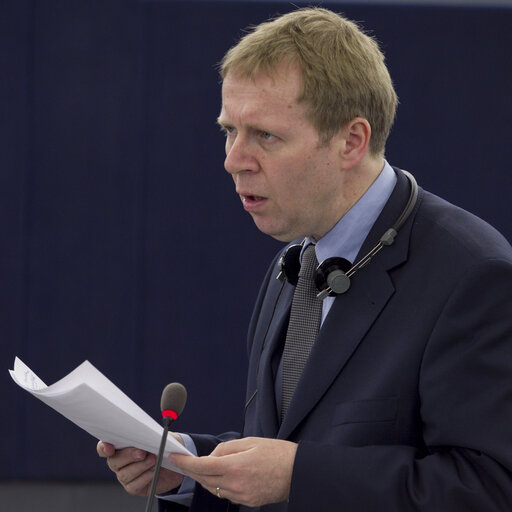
(122, 240)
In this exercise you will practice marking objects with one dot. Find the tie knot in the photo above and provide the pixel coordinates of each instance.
(309, 262)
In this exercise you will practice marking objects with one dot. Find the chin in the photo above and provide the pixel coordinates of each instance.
(278, 234)
(284, 238)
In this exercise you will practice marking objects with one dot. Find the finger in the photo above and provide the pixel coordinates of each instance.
(139, 485)
(224, 493)
(221, 493)
(125, 457)
(135, 476)
(105, 449)
(232, 447)
(197, 466)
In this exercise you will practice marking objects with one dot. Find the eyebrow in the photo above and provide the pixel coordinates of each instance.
(257, 128)
(221, 123)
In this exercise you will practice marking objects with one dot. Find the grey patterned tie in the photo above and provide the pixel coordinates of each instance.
(303, 327)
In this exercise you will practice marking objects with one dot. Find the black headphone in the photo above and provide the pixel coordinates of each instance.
(332, 276)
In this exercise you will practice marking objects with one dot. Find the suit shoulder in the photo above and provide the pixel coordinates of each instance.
(452, 228)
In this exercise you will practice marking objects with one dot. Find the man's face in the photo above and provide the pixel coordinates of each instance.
(287, 180)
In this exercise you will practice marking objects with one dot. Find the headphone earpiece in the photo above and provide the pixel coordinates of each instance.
(289, 265)
(331, 278)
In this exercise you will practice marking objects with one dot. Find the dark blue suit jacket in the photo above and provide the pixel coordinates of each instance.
(405, 403)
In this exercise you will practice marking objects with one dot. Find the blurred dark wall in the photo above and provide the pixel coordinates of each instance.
(122, 240)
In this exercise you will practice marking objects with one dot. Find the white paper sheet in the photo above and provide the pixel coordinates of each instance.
(90, 400)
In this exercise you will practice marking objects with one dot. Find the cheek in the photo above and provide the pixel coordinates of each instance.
(302, 178)
(295, 195)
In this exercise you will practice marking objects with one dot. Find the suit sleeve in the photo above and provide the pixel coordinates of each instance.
(465, 387)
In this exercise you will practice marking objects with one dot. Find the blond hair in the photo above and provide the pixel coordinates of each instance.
(343, 71)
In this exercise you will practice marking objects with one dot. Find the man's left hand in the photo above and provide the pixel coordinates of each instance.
(253, 471)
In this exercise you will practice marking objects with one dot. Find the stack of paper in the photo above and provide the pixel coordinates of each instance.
(90, 400)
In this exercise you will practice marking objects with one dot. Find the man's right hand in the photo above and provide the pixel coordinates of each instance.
(134, 469)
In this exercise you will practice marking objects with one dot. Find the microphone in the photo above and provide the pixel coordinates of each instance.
(174, 398)
(172, 403)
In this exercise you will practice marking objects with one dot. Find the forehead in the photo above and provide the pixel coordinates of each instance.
(264, 94)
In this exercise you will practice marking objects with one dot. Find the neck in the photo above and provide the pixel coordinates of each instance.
(358, 180)
(355, 182)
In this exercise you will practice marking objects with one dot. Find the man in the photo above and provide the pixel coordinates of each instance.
(403, 399)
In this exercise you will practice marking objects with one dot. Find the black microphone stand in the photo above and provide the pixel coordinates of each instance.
(167, 420)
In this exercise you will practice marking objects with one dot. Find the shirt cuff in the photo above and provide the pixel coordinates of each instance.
(184, 494)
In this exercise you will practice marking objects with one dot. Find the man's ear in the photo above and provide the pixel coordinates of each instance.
(354, 141)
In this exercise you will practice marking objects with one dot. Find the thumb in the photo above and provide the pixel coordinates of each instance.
(232, 447)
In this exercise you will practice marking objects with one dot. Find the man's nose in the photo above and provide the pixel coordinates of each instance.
(240, 156)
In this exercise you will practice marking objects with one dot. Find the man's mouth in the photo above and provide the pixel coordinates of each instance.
(252, 202)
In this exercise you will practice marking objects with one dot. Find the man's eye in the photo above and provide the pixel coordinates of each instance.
(227, 130)
(267, 135)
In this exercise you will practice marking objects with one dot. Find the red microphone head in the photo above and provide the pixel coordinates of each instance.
(174, 398)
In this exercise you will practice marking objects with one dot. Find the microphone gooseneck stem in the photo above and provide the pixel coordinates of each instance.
(166, 421)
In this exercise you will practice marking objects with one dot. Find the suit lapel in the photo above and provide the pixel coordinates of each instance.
(266, 401)
(352, 314)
